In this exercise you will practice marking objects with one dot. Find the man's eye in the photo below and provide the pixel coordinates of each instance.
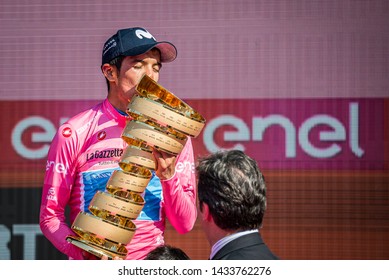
(138, 66)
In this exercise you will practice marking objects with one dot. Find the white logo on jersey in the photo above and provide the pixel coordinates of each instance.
(57, 167)
(185, 166)
(51, 194)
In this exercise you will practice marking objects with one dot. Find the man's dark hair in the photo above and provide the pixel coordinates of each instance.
(234, 189)
(167, 252)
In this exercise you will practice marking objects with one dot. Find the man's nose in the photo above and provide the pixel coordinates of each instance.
(152, 73)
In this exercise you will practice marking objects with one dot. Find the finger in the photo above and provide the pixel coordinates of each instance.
(156, 158)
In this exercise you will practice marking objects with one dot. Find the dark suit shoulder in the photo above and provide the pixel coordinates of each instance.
(246, 247)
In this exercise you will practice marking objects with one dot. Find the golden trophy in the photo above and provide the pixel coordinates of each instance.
(159, 120)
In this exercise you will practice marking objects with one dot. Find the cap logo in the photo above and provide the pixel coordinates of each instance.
(109, 45)
(143, 34)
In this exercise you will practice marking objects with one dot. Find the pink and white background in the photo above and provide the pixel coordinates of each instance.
(302, 86)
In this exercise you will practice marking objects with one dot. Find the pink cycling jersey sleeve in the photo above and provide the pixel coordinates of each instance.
(57, 190)
(179, 192)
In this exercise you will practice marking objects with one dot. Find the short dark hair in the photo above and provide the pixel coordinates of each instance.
(233, 187)
(167, 252)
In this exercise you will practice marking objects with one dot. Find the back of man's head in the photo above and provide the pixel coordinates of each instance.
(234, 189)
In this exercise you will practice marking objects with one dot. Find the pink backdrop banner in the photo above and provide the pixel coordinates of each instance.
(227, 49)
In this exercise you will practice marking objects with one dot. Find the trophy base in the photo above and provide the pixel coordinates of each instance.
(93, 248)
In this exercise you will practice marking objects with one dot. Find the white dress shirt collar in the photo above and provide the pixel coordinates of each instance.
(222, 242)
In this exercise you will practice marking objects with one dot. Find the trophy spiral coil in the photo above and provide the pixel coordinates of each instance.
(159, 120)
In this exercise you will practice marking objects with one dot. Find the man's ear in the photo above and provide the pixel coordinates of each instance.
(206, 214)
(109, 72)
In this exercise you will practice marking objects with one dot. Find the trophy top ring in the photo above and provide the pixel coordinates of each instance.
(150, 89)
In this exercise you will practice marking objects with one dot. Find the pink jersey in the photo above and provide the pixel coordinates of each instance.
(83, 154)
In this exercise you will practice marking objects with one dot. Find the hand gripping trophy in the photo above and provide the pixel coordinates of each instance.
(159, 120)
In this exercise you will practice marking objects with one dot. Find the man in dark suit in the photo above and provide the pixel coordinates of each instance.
(232, 203)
